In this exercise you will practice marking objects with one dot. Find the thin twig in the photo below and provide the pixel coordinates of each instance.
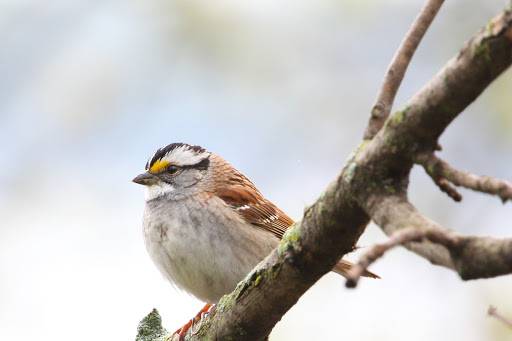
(441, 172)
(493, 311)
(398, 66)
(427, 162)
(400, 237)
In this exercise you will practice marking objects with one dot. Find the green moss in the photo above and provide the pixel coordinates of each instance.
(390, 189)
(351, 156)
(447, 175)
(229, 338)
(290, 238)
(363, 145)
(257, 280)
(357, 150)
(350, 172)
(227, 300)
(430, 169)
(274, 270)
(483, 49)
(240, 330)
(446, 77)
(398, 117)
(374, 112)
(222, 302)
(489, 28)
(150, 328)
(373, 184)
(388, 139)
(320, 207)
(205, 326)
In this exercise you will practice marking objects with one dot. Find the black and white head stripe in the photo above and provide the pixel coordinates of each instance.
(179, 154)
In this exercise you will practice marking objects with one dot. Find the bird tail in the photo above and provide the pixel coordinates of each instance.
(343, 268)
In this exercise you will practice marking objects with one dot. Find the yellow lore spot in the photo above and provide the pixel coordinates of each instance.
(158, 166)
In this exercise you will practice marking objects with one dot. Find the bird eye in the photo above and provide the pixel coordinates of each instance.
(172, 169)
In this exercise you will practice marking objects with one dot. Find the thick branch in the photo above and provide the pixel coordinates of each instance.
(398, 67)
(439, 170)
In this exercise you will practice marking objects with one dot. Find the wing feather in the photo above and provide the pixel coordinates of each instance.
(244, 197)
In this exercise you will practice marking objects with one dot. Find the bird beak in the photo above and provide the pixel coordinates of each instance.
(146, 179)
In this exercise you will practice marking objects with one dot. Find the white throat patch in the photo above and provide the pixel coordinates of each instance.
(156, 190)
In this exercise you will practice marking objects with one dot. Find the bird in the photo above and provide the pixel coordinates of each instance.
(206, 225)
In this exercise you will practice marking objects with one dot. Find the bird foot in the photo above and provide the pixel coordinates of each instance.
(195, 323)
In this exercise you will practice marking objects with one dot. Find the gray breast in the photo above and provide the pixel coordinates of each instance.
(203, 247)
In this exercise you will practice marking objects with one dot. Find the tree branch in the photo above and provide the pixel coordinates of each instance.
(399, 237)
(414, 130)
(493, 311)
(398, 67)
(374, 183)
(417, 126)
(439, 170)
(471, 257)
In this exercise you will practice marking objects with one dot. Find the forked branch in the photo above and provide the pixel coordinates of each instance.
(399, 237)
(441, 172)
(384, 162)
(470, 256)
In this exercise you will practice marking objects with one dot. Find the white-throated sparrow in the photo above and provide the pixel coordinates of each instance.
(206, 225)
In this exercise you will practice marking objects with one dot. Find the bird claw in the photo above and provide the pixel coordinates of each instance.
(211, 311)
(181, 331)
(194, 329)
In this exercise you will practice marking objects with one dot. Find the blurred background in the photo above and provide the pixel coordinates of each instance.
(282, 89)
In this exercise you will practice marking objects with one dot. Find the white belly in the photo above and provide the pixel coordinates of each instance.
(200, 251)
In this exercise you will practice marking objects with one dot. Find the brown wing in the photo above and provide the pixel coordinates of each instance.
(243, 196)
(258, 211)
